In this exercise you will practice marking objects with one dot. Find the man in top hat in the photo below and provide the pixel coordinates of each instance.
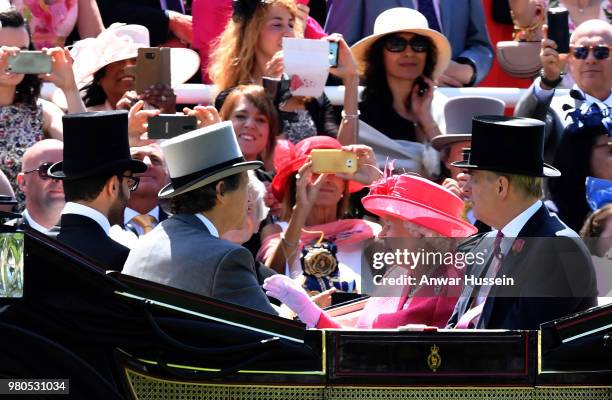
(550, 267)
(208, 198)
(97, 172)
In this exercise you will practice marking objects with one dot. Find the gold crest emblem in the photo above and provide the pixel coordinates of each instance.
(434, 360)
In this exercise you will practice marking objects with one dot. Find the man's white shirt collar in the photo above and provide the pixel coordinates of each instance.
(130, 213)
(590, 100)
(514, 227)
(33, 224)
(80, 209)
(209, 225)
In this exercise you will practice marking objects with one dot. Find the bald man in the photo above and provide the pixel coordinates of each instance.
(593, 77)
(44, 196)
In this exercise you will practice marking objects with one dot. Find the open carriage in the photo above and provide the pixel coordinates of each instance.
(119, 337)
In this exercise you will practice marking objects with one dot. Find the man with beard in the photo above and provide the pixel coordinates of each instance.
(143, 212)
(44, 195)
(97, 172)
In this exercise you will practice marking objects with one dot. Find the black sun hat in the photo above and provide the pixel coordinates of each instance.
(95, 143)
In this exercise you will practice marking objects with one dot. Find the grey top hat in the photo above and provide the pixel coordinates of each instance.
(458, 114)
(203, 156)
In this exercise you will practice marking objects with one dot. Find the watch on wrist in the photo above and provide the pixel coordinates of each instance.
(551, 84)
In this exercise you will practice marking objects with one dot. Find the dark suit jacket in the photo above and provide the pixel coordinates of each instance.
(142, 12)
(87, 237)
(180, 252)
(553, 275)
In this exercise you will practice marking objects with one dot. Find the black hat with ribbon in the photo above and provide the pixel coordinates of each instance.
(95, 144)
(507, 144)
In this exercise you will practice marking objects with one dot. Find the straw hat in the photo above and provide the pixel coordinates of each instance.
(402, 19)
(121, 42)
(420, 201)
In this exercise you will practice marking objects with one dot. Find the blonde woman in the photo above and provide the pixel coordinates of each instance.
(250, 49)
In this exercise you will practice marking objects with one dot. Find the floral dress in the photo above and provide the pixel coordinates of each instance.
(51, 21)
(20, 127)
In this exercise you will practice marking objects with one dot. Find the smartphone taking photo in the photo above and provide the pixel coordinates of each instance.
(30, 62)
(558, 28)
(167, 126)
(333, 161)
(152, 67)
(333, 54)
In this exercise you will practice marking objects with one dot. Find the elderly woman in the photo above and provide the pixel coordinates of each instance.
(250, 48)
(411, 207)
(313, 209)
(400, 63)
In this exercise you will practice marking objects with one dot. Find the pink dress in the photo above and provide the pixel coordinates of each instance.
(51, 21)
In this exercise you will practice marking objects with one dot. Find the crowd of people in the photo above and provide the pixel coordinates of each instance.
(236, 207)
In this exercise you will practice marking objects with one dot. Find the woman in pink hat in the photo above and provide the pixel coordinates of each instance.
(313, 207)
(410, 207)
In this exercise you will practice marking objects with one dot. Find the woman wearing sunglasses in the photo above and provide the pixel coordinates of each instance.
(400, 62)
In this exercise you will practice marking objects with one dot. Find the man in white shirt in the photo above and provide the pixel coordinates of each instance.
(44, 196)
(143, 212)
(590, 64)
(543, 268)
(97, 172)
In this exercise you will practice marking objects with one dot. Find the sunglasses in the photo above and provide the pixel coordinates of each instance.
(42, 171)
(132, 182)
(600, 52)
(397, 44)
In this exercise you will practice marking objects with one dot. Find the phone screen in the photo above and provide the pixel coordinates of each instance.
(333, 54)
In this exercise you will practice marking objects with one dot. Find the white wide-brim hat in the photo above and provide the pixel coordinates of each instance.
(458, 114)
(203, 156)
(121, 42)
(402, 19)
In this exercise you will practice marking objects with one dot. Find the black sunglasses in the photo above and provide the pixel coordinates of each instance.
(132, 182)
(397, 44)
(600, 52)
(42, 170)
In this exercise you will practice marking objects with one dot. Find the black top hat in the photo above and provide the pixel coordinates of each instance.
(508, 144)
(95, 143)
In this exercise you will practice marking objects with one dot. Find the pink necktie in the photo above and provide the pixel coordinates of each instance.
(471, 317)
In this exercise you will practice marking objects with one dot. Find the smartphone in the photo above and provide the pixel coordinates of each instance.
(152, 67)
(333, 54)
(167, 126)
(423, 87)
(333, 161)
(558, 28)
(30, 62)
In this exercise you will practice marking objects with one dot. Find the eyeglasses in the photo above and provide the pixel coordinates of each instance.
(42, 171)
(600, 52)
(397, 44)
(132, 182)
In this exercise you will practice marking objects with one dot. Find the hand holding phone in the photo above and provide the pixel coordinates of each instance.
(333, 161)
(423, 86)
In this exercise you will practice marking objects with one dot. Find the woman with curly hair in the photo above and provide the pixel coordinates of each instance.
(250, 49)
(24, 117)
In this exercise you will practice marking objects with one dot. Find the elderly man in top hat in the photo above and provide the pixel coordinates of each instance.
(550, 268)
(97, 173)
(208, 197)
